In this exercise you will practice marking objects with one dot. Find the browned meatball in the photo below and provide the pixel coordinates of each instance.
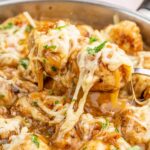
(141, 83)
(127, 35)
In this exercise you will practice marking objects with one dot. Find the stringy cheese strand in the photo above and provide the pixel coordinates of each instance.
(29, 18)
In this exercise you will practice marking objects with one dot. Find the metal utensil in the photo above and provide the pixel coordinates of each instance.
(142, 71)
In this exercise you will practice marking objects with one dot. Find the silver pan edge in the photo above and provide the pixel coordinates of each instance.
(95, 13)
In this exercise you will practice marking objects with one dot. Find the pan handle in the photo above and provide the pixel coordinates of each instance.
(144, 9)
(145, 5)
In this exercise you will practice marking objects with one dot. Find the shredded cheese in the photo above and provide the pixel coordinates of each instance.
(16, 140)
(8, 125)
(87, 78)
(114, 57)
(29, 18)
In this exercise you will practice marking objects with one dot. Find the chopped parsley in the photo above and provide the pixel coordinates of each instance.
(50, 92)
(84, 148)
(44, 75)
(53, 68)
(134, 148)
(35, 140)
(2, 96)
(105, 125)
(16, 31)
(24, 63)
(115, 148)
(60, 27)
(92, 39)
(8, 26)
(57, 102)
(35, 104)
(44, 60)
(21, 42)
(73, 100)
(96, 49)
(28, 28)
(49, 47)
(116, 130)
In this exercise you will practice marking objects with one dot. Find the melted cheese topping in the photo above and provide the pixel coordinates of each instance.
(114, 57)
(16, 140)
(138, 61)
(64, 37)
(87, 78)
(56, 114)
(12, 45)
(8, 125)
(141, 117)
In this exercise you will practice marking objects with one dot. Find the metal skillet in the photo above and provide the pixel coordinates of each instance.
(92, 12)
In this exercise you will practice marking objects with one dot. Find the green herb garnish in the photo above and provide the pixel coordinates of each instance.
(96, 49)
(28, 28)
(35, 104)
(21, 42)
(105, 125)
(2, 96)
(115, 148)
(92, 39)
(44, 60)
(24, 63)
(50, 92)
(60, 27)
(57, 102)
(116, 130)
(73, 100)
(8, 26)
(53, 68)
(15, 31)
(35, 140)
(49, 47)
(84, 148)
(134, 148)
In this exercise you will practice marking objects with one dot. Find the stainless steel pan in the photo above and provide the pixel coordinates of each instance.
(92, 12)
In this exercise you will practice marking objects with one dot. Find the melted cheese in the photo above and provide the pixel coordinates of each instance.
(29, 18)
(65, 39)
(16, 140)
(141, 117)
(30, 110)
(138, 61)
(87, 66)
(56, 113)
(25, 141)
(10, 47)
(114, 57)
(86, 81)
(123, 145)
(8, 125)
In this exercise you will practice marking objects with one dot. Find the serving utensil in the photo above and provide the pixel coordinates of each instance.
(142, 71)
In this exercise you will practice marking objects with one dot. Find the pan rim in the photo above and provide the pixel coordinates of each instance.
(108, 5)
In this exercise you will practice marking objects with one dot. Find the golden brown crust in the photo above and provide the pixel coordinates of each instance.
(126, 35)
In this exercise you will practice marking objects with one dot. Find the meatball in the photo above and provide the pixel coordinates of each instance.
(7, 96)
(126, 35)
(26, 141)
(9, 126)
(135, 124)
(53, 45)
(13, 40)
(95, 145)
(141, 84)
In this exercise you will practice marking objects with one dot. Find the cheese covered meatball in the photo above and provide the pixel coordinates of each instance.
(126, 34)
